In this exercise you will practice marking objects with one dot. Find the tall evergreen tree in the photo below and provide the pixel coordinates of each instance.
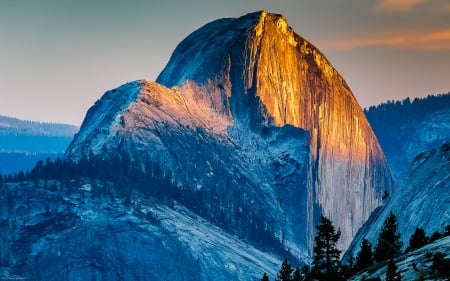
(349, 269)
(265, 277)
(392, 273)
(306, 273)
(297, 275)
(325, 265)
(418, 239)
(285, 273)
(447, 230)
(364, 258)
(435, 236)
(441, 265)
(388, 243)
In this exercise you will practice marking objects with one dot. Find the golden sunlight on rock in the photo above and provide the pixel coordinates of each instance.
(298, 86)
(256, 72)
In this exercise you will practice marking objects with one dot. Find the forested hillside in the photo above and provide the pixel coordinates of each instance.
(406, 128)
(23, 143)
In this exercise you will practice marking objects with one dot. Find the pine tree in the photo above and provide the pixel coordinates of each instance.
(349, 269)
(306, 272)
(297, 275)
(391, 273)
(265, 277)
(285, 273)
(441, 266)
(447, 230)
(325, 265)
(388, 244)
(435, 236)
(418, 239)
(364, 258)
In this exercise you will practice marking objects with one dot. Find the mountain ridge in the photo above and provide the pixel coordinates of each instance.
(425, 188)
(259, 80)
(408, 127)
(12, 125)
(23, 142)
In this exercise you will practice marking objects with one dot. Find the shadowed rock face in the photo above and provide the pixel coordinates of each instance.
(256, 114)
(81, 231)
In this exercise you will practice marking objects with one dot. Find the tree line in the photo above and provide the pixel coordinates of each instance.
(153, 181)
(393, 112)
(148, 178)
(326, 265)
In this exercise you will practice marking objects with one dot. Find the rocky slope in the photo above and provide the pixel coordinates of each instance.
(247, 178)
(256, 116)
(82, 230)
(421, 201)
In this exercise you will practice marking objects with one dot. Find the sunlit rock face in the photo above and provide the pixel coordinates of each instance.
(272, 76)
(251, 111)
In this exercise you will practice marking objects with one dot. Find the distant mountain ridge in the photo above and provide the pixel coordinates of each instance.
(406, 128)
(23, 143)
(11, 125)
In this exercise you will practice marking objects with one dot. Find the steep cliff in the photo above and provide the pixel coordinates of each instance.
(257, 117)
(270, 76)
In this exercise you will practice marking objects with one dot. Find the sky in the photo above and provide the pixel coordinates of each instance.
(57, 57)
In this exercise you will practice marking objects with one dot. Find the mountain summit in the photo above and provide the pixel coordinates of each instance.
(256, 119)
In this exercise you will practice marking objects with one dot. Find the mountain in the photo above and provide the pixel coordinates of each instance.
(23, 143)
(407, 128)
(421, 200)
(257, 119)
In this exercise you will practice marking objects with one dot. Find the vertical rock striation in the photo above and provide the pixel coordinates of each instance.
(271, 76)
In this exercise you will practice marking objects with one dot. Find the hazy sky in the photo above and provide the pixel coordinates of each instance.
(57, 57)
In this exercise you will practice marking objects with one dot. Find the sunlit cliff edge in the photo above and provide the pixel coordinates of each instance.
(249, 109)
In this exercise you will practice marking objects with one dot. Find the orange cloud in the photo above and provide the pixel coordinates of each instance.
(446, 8)
(403, 6)
(406, 40)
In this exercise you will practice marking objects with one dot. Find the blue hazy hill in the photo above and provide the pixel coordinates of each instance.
(406, 128)
(23, 143)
